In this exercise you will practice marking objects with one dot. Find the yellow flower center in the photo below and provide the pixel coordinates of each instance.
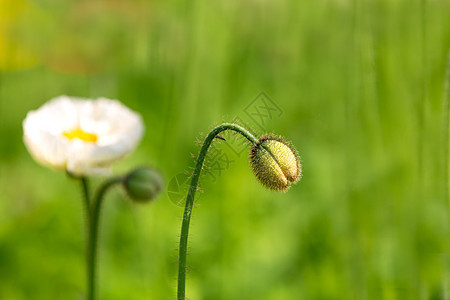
(80, 134)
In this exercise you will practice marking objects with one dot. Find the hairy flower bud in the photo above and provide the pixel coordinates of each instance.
(275, 163)
(143, 184)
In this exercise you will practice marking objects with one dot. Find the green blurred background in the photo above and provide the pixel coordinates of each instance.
(359, 87)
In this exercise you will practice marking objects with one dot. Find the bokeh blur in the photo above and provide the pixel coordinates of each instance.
(359, 87)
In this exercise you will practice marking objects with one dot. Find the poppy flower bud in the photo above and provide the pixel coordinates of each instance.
(275, 163)
(143, 184)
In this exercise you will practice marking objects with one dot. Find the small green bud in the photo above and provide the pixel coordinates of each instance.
(143, 184)
(275, 163)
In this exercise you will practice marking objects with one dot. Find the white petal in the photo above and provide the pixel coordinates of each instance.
(45, 147)
(118, 130)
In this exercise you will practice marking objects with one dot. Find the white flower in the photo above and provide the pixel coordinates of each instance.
(81, 136)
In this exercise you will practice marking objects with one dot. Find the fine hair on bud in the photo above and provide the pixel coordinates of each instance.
(275, 163)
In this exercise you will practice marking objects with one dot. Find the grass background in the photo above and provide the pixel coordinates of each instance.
(363, 94)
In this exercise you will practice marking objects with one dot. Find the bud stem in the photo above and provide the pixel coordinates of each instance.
(181, 293)
(93, 217)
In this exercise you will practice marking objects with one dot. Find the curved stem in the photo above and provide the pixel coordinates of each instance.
(181, 293)
(94, 218)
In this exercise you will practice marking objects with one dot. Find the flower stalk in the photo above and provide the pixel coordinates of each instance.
(274, 162)
(181, 293)
(93, 222)
(141, 184)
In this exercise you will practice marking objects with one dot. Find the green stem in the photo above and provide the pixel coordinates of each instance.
(87, 209)
(94, 218)
(181, 294)
(85, 187)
